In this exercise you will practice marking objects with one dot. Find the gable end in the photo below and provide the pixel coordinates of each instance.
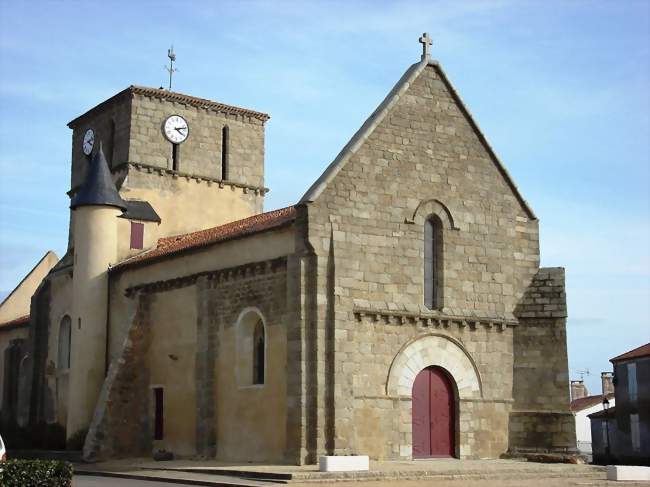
(378, 116)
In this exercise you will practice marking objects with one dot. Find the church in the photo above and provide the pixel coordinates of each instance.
(397, 310)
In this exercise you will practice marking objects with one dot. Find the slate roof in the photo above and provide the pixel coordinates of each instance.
(377, 117)
(173, 96)
(172, 246)
(642, 351)
(611, 412)
(588, 401)
(140, 210)
(15, 323)
(98, 188)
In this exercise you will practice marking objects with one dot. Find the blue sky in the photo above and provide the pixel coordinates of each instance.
(559, 88)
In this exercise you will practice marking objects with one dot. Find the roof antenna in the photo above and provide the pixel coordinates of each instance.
(171, 69)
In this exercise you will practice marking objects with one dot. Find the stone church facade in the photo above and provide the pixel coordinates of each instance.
(397, 310)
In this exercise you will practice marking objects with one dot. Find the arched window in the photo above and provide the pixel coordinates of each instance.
(225, 152)
(433, 265)
(64, 343)
(258, 353)
(251, 348)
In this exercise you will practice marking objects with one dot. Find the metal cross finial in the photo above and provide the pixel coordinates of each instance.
(171, 69)
(426, 41)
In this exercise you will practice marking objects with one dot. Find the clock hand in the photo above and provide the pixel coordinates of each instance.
(178, 129)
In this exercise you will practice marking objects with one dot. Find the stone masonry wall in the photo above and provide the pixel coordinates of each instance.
(115, 145)
(35, 398)
(120, 426)
(541, 420)
(242, 421)
(383, 421)
(200, 154)
(367, 230)
(230, 422)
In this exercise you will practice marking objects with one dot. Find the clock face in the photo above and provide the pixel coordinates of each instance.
(176, 129)
(89, 142)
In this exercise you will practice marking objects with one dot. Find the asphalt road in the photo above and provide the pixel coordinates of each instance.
(90, 481)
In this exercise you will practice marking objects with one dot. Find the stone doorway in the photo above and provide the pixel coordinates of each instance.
(433, 414)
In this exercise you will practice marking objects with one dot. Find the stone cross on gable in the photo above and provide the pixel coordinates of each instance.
(426, 41)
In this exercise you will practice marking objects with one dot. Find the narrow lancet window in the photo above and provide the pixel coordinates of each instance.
(64, 343)
(258, 353)
(433, 263)
(159, 411)
(111, 144)
(225, 152)
(175, 156)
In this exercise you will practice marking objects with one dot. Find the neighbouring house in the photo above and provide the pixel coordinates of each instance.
(621, 434)
(398, 309)
(14, 332)
(582, 405)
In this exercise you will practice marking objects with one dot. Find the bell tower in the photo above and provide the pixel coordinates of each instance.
(197, 162)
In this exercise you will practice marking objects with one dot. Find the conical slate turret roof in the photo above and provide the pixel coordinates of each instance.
(98, 188)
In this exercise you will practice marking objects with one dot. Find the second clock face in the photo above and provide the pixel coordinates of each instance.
(89, 141)
(176, 129)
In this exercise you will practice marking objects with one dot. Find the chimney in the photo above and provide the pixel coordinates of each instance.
(607, 379)
(578, 389)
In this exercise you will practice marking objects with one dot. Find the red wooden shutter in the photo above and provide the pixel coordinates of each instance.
(137, 235)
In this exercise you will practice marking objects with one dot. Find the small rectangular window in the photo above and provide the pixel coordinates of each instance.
(158, 413)
(631, 382)
(137, 235)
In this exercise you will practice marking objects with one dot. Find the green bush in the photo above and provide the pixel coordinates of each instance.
(35, 473)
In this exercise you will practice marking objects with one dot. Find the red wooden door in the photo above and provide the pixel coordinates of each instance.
(433, 414)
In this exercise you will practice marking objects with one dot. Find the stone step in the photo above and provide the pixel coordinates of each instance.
(177, 478)
(249, 474)
(521, 470)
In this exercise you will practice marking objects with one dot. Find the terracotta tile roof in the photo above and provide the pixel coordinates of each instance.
(171, 246)
(642, 351)
(179, 97)
(588, 401)
(22, 321)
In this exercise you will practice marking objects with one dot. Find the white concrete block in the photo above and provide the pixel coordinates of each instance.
(627, 472)
(351, 463)
(405, 451)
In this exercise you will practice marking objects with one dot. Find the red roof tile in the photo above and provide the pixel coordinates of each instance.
(22, 321)
(171, 246)
(588, 401)
(642, 351)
